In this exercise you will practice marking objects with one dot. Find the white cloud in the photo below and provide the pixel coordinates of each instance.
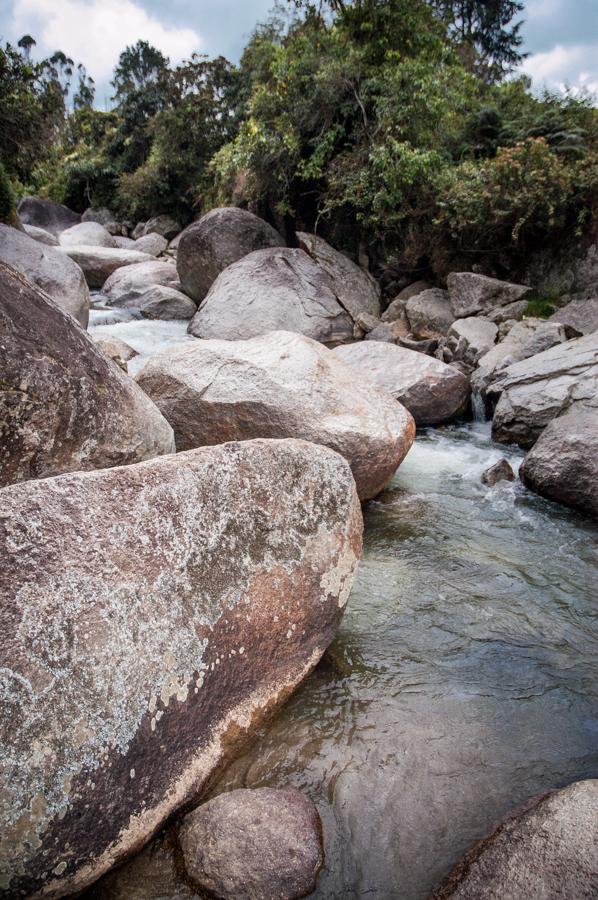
(95, 32)
(574, 66)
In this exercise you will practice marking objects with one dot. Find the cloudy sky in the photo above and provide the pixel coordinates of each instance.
(561, 36)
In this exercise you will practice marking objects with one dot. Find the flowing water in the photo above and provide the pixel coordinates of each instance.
(146, 336)
(463, 680)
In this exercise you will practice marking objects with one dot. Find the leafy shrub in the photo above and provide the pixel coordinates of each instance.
(8, 214)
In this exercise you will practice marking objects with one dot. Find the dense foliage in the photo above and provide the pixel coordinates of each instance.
(388, 125)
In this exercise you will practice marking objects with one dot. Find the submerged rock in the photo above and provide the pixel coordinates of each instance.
(52, 217)
(547, 851)
(356, 290)
(152, 616)
(269, 290)
(64, 405)
(276, 386)
(217, 240)
(261, 844)
(48, 269)
(472, 294)
(98, 263)
(500, 471)
(563, 464)
(432, 391)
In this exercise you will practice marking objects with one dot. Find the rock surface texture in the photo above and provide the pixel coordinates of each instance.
(563, 464)
(47, 268)
(536, 390)
(579, 315)
(472, 294)
(64, 405)
(262, 844)
(432, 391)
(270, 290)
(217, 240)
(152, 615)
(52, 217)
(98, 263)
(276, 386)
(129, 283)
(356, 290)
(548, 851)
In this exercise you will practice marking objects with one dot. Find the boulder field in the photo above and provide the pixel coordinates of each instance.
(152, 616)
(64, 405)
(275, 386)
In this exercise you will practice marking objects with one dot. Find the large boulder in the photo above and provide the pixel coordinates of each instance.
(163, 225)
(251, 844)
(217, 240)
(52, 217)
(432, 391)
(274, 386)
(429, 314)
(41, 235)
(89, 234)
(536, 390)
(467, 340)
(48, 269)
(63, 404)
(270, 290)
(563, 463)
(98, 263)
(580, 315)
(546, 850)
(472, 294)
(160, 302)
(152, 616)
(126, 285)
(355, 289)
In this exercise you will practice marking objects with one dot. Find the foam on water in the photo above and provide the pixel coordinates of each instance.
(146, 336)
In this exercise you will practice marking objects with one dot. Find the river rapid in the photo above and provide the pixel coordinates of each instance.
(463, 679)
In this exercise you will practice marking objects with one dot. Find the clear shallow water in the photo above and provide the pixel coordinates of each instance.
(146, 336)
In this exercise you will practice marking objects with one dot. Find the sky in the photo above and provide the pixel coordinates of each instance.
(561, 36)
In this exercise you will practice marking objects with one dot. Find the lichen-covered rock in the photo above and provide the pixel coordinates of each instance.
(563, 464)
(356, 290)
(47, 268)
(152, 616)
(276, 386)
(429, 313)
(88, 234)
(52, 217)
(64, 405)
(128, 284)
(535, 391)
(269, 290)
(432, 391)
(261, 844)
(471, 294)
(217, 240)
(99, 263)
(548, 850)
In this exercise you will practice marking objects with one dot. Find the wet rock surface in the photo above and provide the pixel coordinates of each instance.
(270, 290)
(550, 850)
(63, 404)
(275, 386)
(212, 583)
(217, 240)
(262, 844)
(432, 391)
(500, 471)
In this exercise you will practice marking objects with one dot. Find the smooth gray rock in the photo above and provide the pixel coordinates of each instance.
(129, 283)
(125, 243)
(432, 391)
(500, 471)
(546, 851)
(64, 405)
(101, 215)
(152, 243)
(581, 315)
(276, 386)
(41, 235)
(153, 615)
(99, 263)
(261, 844)
(356, 290)
(163, 225)
(162, 302)
(471, 294)
(535, 391)
(216, 241)
(88, 234)
(468, 339)
(270, 290)
(49, 269)
(563, 463)
(429, 313)
(52, 217)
